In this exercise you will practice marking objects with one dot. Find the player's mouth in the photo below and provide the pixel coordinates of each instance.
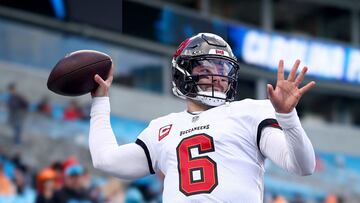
(217, 89)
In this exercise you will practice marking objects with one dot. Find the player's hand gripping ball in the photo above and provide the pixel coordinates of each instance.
(74, 74)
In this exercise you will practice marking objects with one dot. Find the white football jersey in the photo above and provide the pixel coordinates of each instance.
(212, 156)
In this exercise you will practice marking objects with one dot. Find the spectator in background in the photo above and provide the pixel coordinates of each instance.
(6, 186)
(16, 160)
(279, 199)
(24, 193)
(133, 195)
(45, 185)
(44, 107)
(298, 198)
(72, 111)
(91, 187)
(332, 198)
(73, 189)
(17, 106)
(113, 191)
(57, 166)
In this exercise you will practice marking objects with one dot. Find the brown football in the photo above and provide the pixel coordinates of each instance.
(74, 74)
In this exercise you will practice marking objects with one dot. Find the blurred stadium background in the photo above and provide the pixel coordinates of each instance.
(141, 36)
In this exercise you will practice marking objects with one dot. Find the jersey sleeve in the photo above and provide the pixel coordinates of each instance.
(126, 161)
(281, 138)
(264, 117)
(290, 148)
(147, 141)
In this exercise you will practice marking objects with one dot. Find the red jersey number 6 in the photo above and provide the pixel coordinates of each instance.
(196, 174)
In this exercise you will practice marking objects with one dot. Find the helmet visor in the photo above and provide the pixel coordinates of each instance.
(213, 66)
(214, 74)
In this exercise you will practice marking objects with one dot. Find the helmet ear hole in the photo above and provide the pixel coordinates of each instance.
(189, 85)
(186, 87)
(183, 63)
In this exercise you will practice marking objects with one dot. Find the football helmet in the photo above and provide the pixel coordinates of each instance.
(205, 69)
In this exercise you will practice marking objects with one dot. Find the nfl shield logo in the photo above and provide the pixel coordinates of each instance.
(195, 118)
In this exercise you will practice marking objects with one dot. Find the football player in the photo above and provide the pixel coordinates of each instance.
(214, 151)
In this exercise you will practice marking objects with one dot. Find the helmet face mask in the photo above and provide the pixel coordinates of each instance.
(205, 70)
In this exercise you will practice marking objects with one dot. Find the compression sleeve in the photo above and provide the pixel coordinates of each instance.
(289, 148)
(126, 161)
